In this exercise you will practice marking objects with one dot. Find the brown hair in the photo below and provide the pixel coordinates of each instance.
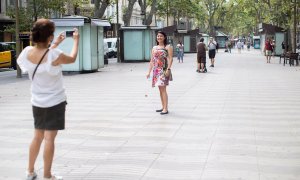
(42, 29)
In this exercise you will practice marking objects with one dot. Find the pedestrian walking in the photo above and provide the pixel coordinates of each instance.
(201, 56)
(229, 46)
(239, 46)
(212, 45)
(179, 48)
(283, 46)
(268, 50)
(273, 48)
(160, 65)
(48, 98)
(248, 45)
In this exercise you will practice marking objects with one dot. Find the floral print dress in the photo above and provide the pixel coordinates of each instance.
(159, 60)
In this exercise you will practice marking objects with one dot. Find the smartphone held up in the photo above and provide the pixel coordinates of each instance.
(69, 33)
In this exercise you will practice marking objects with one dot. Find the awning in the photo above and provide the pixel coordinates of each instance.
(182, 31)
(134, 27)
(97, 22)
(68, 22)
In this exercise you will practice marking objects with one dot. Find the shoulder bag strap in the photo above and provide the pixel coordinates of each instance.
(39, 64)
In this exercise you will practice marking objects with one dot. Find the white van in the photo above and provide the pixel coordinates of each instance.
(112, 47)
(105, 48)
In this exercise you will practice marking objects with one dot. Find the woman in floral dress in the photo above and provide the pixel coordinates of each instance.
(160, 65)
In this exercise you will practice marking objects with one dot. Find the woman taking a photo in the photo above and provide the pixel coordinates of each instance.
(160, 65)
(48, 98)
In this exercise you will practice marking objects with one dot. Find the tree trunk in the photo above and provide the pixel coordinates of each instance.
(128, 13)
(18, 43)
(34, 11)
(152, 11)
(100, 9)
(293, 42)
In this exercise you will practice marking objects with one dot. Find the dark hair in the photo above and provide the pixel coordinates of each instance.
(164, 34)
(42, 29)
(201, 39)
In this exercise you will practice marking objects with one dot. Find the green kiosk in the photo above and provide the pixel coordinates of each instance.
(136, 43)
(91, 53)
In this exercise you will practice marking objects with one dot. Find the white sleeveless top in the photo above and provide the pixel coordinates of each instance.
(47, 88)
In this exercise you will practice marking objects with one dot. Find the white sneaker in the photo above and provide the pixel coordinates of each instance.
(54, 177)
(31, 176)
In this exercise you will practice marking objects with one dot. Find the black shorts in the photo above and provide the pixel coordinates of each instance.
(212, 53)
(50, 118)
(201, 59)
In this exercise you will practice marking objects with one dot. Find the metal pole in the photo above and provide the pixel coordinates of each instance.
(167, 13)
(295, 24)
(18, 49)
(118, 34)
(145, 7)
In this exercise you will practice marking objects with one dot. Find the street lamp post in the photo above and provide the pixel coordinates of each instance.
(167, 12)
(118, 34)
(145, 7)
(295, 24)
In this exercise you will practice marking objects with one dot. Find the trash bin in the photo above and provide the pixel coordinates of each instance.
(91, 53)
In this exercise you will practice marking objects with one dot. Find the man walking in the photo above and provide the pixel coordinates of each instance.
(212, 45)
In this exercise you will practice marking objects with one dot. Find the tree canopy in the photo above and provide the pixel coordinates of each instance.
(235, 17)
(231, 16)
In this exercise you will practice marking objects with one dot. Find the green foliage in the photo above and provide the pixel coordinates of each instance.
(180, 9)
(25, 22)
(35, 9)
(242, 16)
(237, 17)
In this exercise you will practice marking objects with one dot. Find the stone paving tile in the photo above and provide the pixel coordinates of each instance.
(238, 121)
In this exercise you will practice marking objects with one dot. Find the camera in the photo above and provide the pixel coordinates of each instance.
(69, 33)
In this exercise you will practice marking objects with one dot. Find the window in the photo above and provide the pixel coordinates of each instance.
(12, 3)
(109, 44)
(109, 34)
(0, 7)
(113, 10)
(92, 1)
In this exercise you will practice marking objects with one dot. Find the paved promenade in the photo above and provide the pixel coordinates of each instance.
(239, 121)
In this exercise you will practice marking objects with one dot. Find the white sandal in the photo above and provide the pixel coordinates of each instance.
(31, 175)
(54, 177)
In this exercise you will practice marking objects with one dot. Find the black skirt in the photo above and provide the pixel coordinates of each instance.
(50, 118)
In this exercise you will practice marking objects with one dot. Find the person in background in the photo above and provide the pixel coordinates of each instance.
(268, 50)
(212, 45)
(273, 48)
(229, 45)
(48, 97)
(248, 45)
(283, 46)
(239, 46)
(243, 43)
(180, 52)
(201, 56)
(160, 65)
